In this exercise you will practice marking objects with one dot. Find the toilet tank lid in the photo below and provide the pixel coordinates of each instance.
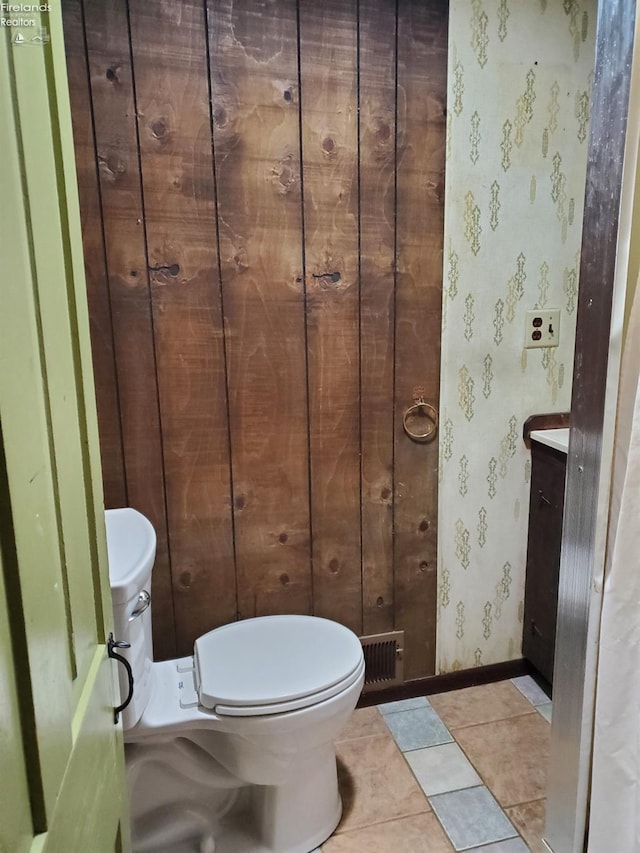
(131, 547)
(273, 659)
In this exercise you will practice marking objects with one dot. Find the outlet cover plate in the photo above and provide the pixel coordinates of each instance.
(542, 328)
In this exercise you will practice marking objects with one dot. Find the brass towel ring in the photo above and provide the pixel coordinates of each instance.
(424, 409)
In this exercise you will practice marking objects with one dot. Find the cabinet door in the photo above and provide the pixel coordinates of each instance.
(67, 786)
(543, 557)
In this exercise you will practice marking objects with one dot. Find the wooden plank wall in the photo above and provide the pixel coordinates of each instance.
(419, 234)
(254, 82)
(262, 197)
(377, 307)
(329, 109)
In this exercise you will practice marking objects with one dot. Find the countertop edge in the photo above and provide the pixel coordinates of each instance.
(558, 439)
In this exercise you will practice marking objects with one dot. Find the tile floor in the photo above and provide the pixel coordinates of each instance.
(464, 770)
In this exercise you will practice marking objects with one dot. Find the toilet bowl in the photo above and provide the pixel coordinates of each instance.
(229, 750)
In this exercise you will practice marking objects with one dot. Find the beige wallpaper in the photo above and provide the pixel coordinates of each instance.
(519, 80)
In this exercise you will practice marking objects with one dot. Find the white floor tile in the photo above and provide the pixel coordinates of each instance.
(545, 710)
(440, 769)
(528, 687)
(403, 705)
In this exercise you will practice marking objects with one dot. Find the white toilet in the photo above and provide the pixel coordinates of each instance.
(230, 750)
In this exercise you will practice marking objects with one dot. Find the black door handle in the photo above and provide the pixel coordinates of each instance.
(111, 646)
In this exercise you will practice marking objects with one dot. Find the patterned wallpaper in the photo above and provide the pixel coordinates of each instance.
(519, 81)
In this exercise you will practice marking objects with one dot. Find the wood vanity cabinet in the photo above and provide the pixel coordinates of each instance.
(548, 470)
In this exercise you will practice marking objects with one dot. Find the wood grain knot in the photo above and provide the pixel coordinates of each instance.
(220, 118)
(111, 167)
(112, 74)
(159, 128)
(424, 525)
(284, 579)
(241, 260)
(379, 601)
(333, 277)
(288, 95)
(185, 580)
(436, 189)
(282, 538)
(385, 494)
(334, 566)
(240, 502)
(383, 133)
(172, 269)
(424, 566)
(287, 177)
(328, 145)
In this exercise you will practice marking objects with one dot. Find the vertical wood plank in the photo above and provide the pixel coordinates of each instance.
(328, 54)
(108, 403)
(169, 48)
(422, 55)
(15, 806)
(377, 32)
(107, 37)
(254, 82)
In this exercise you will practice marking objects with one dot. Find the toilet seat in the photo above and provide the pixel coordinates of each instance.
(273, 664)
(294, 704)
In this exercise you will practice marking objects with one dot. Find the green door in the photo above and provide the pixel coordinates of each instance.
(63, 786)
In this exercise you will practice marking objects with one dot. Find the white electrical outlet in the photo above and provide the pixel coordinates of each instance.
(542, 328)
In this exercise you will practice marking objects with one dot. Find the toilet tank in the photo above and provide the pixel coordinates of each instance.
(131, 547)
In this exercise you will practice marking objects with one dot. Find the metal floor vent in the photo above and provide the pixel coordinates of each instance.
(383, 660)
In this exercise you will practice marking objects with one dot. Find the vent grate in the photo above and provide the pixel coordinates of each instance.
(383, 659)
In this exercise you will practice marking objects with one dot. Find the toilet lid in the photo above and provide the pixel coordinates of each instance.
(131, 548)
(247, 666)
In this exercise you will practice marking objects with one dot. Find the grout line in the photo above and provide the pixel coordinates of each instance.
(385, 735)
(407, 710)
(429, 746)
(491, 722)
(525, 803)
(457, 790)
(338, 832)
